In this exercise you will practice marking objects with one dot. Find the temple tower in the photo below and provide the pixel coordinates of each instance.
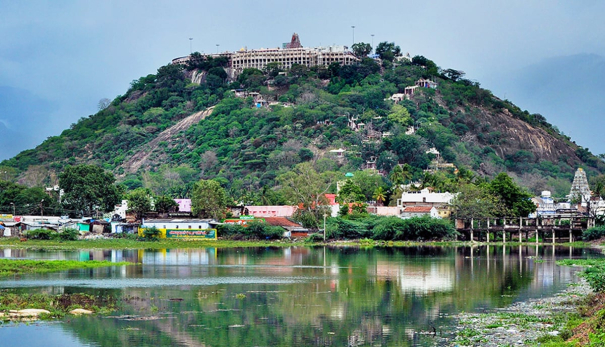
(580, 190)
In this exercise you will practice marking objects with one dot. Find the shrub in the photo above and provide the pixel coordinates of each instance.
(68, 234)
(593, 233)
(315, 237)
(595, 276)
(151, 233)
(255, 230)
(40, 234)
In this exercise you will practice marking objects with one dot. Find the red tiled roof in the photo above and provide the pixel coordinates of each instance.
(418, 209)
(281, 222)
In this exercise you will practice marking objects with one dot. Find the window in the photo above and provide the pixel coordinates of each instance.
(177, 227)
(164, 227)
(199, 226)
(189, 227)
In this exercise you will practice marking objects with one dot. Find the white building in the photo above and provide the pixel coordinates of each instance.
(424, 197)
(420, 211)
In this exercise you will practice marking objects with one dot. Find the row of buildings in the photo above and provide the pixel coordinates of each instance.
(286, 56)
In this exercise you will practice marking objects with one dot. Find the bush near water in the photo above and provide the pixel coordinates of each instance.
(391, 228)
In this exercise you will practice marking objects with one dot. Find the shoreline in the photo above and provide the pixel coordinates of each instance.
(120, 243)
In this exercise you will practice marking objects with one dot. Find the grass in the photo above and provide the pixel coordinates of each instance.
(11, 267)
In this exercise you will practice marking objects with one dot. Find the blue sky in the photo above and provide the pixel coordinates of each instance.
(59, 58)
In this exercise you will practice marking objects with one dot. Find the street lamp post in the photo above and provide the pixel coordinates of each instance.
(373, 42)
(42, 207)
(217, 48)
(190, 45)
(353, 27)
(13, 204)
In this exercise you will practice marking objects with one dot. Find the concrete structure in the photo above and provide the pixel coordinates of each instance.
(397, 97)
(294, 53)
(545, 205)
(424, 197)
(270, 211)
(184, 205)
(419, 211)
(424, 83)
(181, 228)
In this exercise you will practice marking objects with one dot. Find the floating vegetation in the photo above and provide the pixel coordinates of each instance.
(11, 267)
(16, 306)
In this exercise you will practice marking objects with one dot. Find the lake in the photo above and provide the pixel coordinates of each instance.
(303, 296)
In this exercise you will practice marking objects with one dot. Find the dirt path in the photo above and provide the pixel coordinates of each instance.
(140, 157)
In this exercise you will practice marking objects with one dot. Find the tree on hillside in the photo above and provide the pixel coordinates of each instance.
(208, 199)
(388, 50)
(361, 49)
(139, 202)
(88, 188)
(516, 200)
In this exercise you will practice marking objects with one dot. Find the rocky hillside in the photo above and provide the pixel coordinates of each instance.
(166, 132)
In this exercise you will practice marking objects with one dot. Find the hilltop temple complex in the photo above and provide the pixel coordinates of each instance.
(289, 54)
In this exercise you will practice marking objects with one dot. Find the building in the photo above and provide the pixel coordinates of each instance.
(270, 211)
(580, 190)
(427, 198)
(293, 53)
(420, 211)
(424, 83)
(181, 228)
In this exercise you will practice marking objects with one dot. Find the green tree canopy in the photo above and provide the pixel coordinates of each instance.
(164, 204)
(139, 202)
(516, 200)
(87, 188)
(209, 199)
(476, 201)
(361, 49)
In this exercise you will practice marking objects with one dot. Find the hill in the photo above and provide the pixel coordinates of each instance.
(166, 132)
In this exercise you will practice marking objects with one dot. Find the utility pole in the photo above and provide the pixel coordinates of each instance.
(353, 27)
(13, 204)
(190, 45)
(217, 48)
(42, 207)
(373, 43)
(325, 215)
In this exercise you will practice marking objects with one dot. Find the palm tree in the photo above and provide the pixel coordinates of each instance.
(379, 196)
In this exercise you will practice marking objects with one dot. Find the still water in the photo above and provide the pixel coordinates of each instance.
(295, 296)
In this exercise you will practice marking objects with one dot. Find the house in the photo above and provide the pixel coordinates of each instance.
(424, 197)
(182, 228)
(290, 226)
(419, 211)
(409, 91)
(424, 83)
(397, 97)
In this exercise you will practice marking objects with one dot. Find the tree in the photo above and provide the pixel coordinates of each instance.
(517, 201)
(164, 204)
(388, 50)
(476, 202)
(380, 196)
(399, 115)
(139, 202)
(103, 104)
(208, 160)
(305, 187)
(209, 199)
(361, 49)
(88, 188)
(368, 181)
(349, 193)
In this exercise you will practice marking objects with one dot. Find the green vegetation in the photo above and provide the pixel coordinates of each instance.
(45, 234)
(9, 267)
(253, 231)
(390, 228)
(250, 151)
(57, 305)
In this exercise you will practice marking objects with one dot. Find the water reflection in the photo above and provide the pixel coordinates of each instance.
(296, 295)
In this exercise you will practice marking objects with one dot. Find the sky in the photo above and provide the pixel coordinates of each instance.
(58, 58)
